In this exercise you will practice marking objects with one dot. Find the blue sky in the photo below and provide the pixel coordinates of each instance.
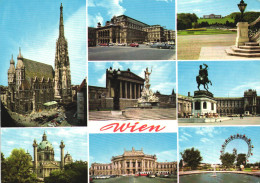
(208, 140)
(163, 77)
(219, 7)
(103, 146)
(34, 26)
(151, 12)
(75, 140)
(229, 79)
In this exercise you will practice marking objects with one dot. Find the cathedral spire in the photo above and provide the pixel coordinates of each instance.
(61, 22)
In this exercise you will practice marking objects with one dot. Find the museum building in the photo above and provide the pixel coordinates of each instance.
(43, 158)
(133, 162)
(124, 29)
(32, 84)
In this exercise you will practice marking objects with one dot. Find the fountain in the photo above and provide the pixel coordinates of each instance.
(148, 99)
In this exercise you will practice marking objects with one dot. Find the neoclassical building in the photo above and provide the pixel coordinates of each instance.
(43, 157)
(31, 84)
(132, 162)
(124, 29)
(249, 104)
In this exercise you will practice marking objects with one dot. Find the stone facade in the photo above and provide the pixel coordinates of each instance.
(124, 29)
(133, 162)
(248, 104)
(123, 88)
(31, 83)
(43, 158)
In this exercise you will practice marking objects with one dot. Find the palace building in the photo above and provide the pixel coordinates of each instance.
(32, 84)
(124, 29)
(43, 158)
(133, 162)
(249, 104)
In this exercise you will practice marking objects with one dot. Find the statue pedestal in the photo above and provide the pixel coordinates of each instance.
(242, 33)
(204, 104)
(148, 104)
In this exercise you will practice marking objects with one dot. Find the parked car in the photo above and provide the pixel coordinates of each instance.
(151, 176)
(121, 44)
(110, 44)
(162, 46)
(103, 44)
(134, 45)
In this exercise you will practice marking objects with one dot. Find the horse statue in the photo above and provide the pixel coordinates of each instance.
(202, 78)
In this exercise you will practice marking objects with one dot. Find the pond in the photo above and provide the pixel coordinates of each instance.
(221, 177)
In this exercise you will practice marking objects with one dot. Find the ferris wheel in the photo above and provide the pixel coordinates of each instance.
(241, 137)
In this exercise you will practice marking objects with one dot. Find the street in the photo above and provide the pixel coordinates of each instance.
(142, 52)
(136, 180)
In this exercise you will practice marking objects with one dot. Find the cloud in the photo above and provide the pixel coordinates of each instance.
(93, 20)
(10, 142)
(91, 3)
(192, 1)
(117, 65)
(102, 80)
(113, 7)
(206, 131)
(204, 140)
(236, 91)
(167, 1)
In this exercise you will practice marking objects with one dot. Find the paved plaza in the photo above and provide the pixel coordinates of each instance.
(233, 121)
(142, 52)
(134, 114)
(136, 180)
(190, 46)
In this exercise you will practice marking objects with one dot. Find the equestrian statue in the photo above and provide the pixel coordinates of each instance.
(202, 78)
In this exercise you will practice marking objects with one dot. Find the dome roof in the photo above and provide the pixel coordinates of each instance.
(44, 145)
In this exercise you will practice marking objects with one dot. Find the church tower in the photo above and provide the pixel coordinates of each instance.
(62, 84)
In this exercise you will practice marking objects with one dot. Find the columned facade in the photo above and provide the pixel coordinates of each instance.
(133, 162)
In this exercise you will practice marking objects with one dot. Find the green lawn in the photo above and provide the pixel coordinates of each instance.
(217, 20)
(206, 32)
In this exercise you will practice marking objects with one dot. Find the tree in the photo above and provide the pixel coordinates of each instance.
(192, 157)
(227, 159)
(17, 168)
(241, 159)
(76, 172)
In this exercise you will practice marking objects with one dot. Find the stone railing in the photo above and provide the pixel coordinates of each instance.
(254, 30)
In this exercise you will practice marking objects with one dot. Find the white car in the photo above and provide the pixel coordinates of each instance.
(121, 44)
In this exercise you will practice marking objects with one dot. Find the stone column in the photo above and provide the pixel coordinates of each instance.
(142, 165)
(131, 171)
(135, 91)
(121, 90)
(35, 162)
(136, 165)
(62, 155)
(242, 33)
(124, 166)
(109, 88)
(110, 35)
(131, 93)
(125, 89)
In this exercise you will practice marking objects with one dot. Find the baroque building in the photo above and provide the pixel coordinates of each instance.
(31, 84)
(43, 158)
(133, 162)
(124, 29)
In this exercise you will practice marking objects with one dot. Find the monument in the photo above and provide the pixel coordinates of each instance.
(204, 104)
(148, 99)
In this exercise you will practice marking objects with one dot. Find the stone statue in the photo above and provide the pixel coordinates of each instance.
(147, 75)
(147, 94)
(202, 78)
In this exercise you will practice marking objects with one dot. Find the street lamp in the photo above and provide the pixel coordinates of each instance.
(242, 6)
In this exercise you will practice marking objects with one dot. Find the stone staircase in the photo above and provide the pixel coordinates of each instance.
(250, 49)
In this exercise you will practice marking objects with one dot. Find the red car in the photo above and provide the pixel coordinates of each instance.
(134, 45)
(103, 44)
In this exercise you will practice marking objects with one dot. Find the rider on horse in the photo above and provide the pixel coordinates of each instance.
(202, 78)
